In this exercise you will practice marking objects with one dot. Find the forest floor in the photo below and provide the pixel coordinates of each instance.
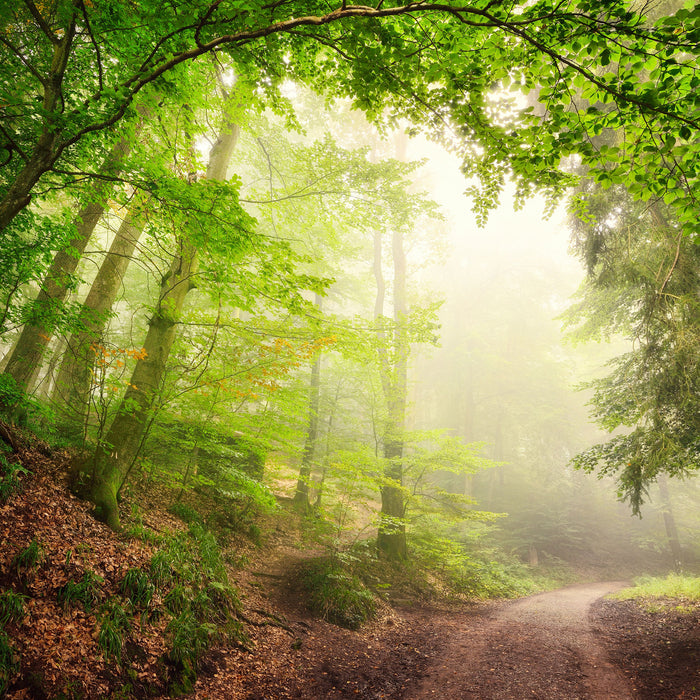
(566, 644)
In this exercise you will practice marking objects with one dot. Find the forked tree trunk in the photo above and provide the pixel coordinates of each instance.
(48, 147)
(118, 451)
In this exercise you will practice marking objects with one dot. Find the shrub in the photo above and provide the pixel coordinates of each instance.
(336, 594)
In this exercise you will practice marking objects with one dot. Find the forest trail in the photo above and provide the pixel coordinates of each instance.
(543, 646)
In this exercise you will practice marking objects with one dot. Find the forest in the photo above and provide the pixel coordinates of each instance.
(323, 325)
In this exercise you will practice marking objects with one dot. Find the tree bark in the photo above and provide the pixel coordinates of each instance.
(25, 359)
(670, 523)
(48, 145)
(116, 454)
(72, 390)
(391, 538)
(301, 496)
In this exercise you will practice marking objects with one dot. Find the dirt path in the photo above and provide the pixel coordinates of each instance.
(548, 647)
(539, 647)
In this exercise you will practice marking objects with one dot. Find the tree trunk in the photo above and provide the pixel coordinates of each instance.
(25, 359)
(72, 390)
(301, 496)
(670, 524)
(391, 538)
(118, 451)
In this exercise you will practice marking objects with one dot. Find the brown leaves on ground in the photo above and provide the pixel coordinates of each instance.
(659, 647)
(56, 640)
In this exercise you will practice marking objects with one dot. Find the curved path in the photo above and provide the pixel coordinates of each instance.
(539, 647)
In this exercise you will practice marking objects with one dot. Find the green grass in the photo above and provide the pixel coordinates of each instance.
(114, 626)
(137, 588)
(675, 586)
(10, 482)
(186, 513)
(11, 607)
(9, 662)
(30, 557)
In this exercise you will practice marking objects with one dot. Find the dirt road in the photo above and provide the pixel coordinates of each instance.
(539, 647)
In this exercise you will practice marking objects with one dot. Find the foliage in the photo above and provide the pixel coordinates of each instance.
(137, 588)
(189, 571)
(9, 661)
(114, 625)
(424, 63)
(337, 594)
(10, 482)
(463, 564)
(648, 295)
(186, 513)
(30, 557)
(189, 639)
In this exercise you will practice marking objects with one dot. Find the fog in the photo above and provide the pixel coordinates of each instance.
(504, 373)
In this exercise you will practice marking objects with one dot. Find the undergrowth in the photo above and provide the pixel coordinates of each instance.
(336, 593)
(10, 478)
(189, 575)
(12, 611)
(657, 592)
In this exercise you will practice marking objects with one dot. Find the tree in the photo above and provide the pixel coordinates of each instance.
(642, 284)
(47, 312)
(73, 383)
(301, 496)
(118, 449)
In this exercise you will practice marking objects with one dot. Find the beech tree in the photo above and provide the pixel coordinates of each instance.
(118, 449)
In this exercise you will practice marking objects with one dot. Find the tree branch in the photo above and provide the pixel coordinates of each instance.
(44, 26)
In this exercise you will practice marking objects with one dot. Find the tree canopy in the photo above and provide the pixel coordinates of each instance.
(74, 69)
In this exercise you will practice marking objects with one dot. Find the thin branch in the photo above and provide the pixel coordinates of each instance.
(43, 24)
(15, 146)
(202, 22)
(100, 74)
(25, 62)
